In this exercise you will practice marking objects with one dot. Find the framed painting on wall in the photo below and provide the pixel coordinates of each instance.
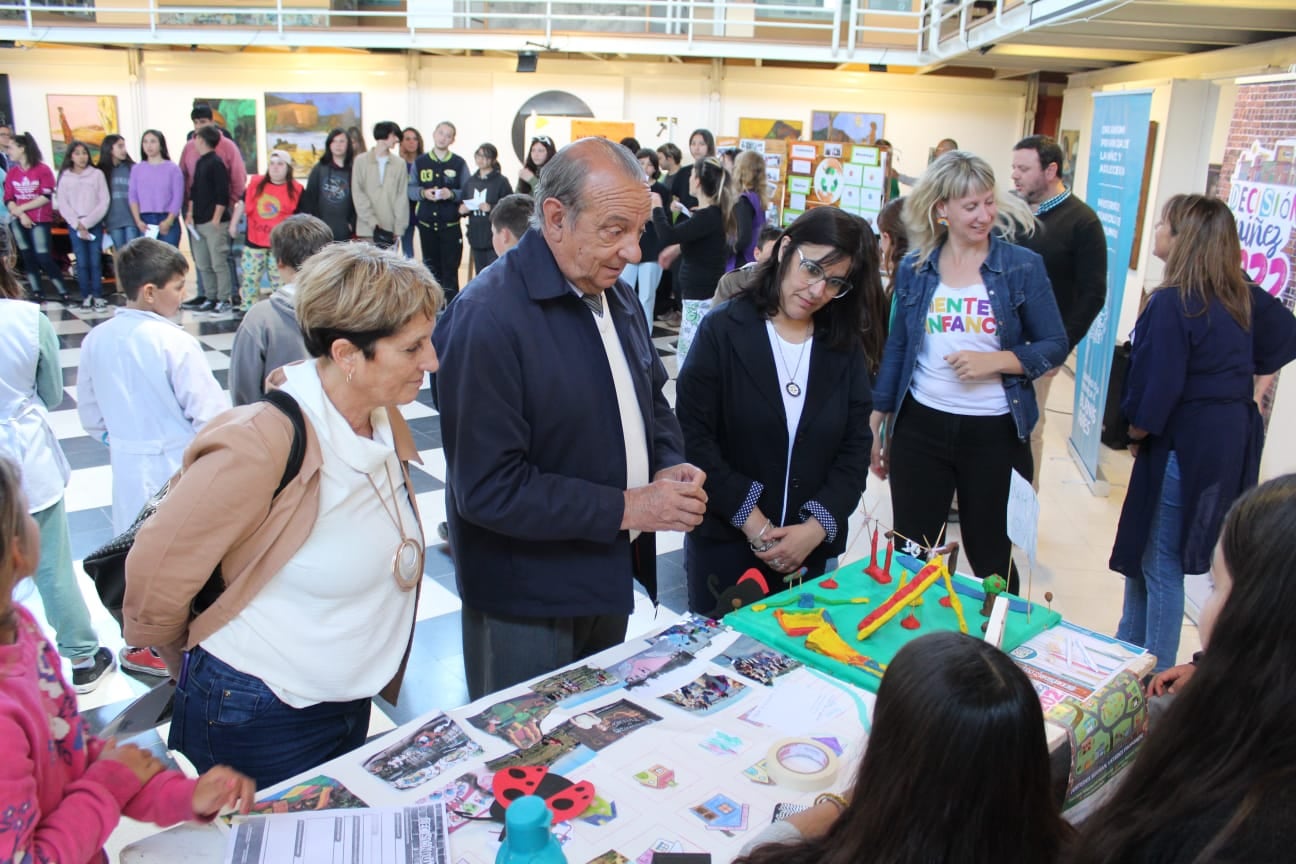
(238, 117)
(79, 118)
(847, 127)
(300, 122)
(755, 127)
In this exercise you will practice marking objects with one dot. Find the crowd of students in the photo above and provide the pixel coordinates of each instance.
(781, 362)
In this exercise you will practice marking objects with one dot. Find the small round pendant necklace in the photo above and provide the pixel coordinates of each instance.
(407, 563)
(792, 387)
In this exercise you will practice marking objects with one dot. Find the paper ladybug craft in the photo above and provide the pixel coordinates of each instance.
(566, 800)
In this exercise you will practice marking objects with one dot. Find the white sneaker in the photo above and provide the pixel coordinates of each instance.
(86, 303)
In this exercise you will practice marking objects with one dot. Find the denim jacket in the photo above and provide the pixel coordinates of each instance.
(1030, 326)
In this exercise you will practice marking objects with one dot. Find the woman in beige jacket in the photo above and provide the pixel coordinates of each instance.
(321, 581)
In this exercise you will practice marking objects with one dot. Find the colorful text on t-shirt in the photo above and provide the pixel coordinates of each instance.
(961, 315)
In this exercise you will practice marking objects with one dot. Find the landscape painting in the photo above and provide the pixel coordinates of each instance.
(80, 118)
(238, 117)
(853, 127)
(300, 122)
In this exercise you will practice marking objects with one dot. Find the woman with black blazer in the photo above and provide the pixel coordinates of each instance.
(774, 401)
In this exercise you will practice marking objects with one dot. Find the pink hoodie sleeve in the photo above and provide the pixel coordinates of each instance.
(98, 209)
(165, 800)
(74, 830)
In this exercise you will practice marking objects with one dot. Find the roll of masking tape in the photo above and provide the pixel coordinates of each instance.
(801, 764)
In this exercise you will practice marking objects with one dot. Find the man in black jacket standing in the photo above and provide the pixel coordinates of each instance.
(1070, 239)
(437, 185)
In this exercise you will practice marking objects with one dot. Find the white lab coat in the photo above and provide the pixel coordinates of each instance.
(26, 436)
(145, 382)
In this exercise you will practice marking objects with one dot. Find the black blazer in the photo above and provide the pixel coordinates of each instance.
(730, 407)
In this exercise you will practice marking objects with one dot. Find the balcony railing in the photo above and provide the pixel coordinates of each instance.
(895, 31)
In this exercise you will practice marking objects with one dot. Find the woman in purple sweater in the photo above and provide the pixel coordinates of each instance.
(157, 189)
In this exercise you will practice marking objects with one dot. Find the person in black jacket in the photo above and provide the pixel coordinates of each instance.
(774, 403)
(437, 185)
(494, 185)
(328, 188)
(646, 275)
(704, 240)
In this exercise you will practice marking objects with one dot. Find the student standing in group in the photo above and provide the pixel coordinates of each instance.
(271, 198)
(31, 384)
(495, 186)
(438, 186)
(645, 275)
(209, 218)
(539, 152)
(510, 219)
(145, 389)
(380, 188)
(269, 337)
(1203, 336)
(232, 159)
(1071, 241)
(753, 197)
(116, 164)
(669, 157)
(411, 147)
(82, 195)
(701, 145)
(704, 240)
(29, 195)
(975, 323)
(328, 193)
(157, 189)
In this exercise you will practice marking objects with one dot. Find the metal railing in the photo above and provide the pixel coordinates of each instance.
(839, 29)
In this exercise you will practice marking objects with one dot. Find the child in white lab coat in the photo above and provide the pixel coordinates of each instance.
(144, 388)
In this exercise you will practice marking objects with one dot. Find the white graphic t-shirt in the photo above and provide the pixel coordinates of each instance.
(958, 319)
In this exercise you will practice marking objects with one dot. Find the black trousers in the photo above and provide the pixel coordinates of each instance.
(442, 247)
(712, 566)
(502, 650)
(934, 454)
(483, 257)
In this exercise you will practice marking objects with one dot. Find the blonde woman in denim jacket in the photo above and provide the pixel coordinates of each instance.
(976, 322)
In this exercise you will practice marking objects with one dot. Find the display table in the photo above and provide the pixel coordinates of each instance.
(673, 739)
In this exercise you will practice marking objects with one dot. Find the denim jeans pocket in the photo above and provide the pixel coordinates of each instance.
(236, 704)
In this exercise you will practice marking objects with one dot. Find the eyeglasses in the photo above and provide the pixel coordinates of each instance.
(813, 272)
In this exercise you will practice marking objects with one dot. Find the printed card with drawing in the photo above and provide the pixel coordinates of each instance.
(435, 746)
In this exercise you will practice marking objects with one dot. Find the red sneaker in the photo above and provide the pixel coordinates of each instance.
(144, 661)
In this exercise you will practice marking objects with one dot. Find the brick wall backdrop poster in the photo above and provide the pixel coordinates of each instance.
(79, 118)
(300, 122)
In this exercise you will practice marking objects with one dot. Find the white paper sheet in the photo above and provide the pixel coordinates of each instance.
(394, 835)
(476, 201)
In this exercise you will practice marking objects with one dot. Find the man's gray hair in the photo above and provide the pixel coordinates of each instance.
(563, 177)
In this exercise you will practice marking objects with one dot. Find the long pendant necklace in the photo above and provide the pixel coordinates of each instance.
(793, 389)
(407, 563)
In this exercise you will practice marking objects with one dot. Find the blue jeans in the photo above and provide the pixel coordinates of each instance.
(122, 236)
(226, 717)
(408, 239)
(644, 277)
(89, 260)
(172, 236)
(56, 582)
(34, 246)
(1154, 605)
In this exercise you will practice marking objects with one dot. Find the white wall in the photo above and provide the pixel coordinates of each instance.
(483, 94)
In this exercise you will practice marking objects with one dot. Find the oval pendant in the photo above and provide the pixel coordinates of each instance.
(793, 389)
(407, 564)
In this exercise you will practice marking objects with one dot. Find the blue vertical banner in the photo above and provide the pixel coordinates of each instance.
(1118, 146)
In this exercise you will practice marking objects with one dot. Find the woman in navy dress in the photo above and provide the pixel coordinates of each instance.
(1203, 336)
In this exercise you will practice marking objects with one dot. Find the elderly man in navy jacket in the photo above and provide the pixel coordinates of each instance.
(562, 453)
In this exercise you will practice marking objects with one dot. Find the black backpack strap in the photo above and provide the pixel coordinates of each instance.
(288, 405)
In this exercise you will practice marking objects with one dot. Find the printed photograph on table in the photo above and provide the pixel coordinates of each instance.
(692, 634)
(515, 720)
(300, 122)
(434, 747)
(851, 127)
(87, 119)
(605, 726)
(757, 127)
(237, 117)
(756, 660)
(566, 687)
(707, 694)
(317, 793)
(466, 799)
(655, 660)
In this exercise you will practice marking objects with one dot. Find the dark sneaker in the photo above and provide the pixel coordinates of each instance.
(144, 661)
(194, 303)
(204, 306)
(443, 531)
(87, 679)
(223, 308)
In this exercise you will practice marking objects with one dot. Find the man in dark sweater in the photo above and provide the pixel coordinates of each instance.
(1070, 239)
(209, 218)
(437, 186)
